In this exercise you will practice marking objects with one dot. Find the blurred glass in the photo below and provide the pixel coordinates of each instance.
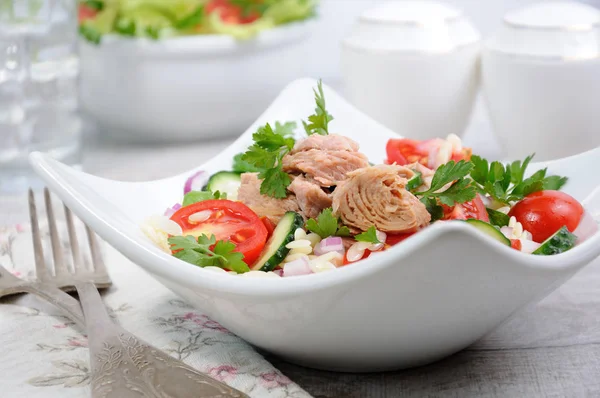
(38, 86)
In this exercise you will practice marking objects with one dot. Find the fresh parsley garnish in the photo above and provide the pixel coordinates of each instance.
(265, 156)
(497, 218)
(241, 166)
(126, 27)
(207, 251)
(317, 123)
(507, 183)
(327, 225)
(433, 208)
(200, 196)
(370, 236)
(450, 173)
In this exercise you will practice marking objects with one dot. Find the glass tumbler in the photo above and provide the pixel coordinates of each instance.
(38, 87)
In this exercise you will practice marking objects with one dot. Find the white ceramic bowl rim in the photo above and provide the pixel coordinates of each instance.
(207, 44)
(169, 267)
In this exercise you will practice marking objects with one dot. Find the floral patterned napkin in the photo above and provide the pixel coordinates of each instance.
(42, 354)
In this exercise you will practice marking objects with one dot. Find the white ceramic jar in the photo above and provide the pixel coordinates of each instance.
(413, 66)
(541, 80)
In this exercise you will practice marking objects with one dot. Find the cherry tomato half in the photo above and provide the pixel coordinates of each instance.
(227, 220)
(463, 211)
(545, 212)
(269, 225)
(231, 13)
(516, 244)
(85, 12)
(404, 151)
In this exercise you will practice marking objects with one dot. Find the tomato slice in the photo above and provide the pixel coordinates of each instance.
(393, 239)
(231, 13)
(516, 244)
(227, 220)
(467, 210)
(86, 12)
(545, 212)
(404, 151)
(269, 225)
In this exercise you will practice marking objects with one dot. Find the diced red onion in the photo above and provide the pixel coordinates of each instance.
(297, 267)
(529, 246)
(171, 210)
(330, 244)
(587, 227)
(278, 272)
(193, 183)
(507, 231)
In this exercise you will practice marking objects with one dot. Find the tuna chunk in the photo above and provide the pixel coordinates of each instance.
(377, 196)
(331, 142)
(310, 196)
(326, 167)
(272, 208)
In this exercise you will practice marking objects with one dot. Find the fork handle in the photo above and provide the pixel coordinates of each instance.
(99, 325)
(58, 298)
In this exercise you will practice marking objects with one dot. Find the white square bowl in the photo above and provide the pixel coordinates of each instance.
(436, 293)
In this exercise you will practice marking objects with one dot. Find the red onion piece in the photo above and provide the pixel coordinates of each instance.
(193, 182)
(297, 267)
(171, 210)
(278, 272)
(587, 227)
(330, 244)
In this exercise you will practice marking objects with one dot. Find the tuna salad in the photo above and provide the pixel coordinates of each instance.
(298, 203)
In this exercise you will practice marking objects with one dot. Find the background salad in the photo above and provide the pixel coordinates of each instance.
(157, 19)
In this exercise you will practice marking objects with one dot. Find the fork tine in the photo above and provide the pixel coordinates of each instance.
(40, 263)
(60, 268)
(97, 262)
(77, 259)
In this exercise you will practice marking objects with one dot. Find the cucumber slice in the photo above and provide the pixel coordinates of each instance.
(224, 181)
(275, 250)
(560, 242)
(489, 230)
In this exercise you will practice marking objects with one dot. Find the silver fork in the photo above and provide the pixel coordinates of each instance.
(122, 366)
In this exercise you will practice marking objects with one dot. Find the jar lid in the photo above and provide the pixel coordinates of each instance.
(556, 29)
(412, 26)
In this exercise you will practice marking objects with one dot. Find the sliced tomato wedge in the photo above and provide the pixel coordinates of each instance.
(269, 225)
(226, 220)
(404, 151)
(516, 244)
(86, 12)
(463, 211)
(231, 13)
(394, 239)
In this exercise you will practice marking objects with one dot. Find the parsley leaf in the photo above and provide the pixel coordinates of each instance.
(265, 156)
(370, 235)
(198, 252)
(94, 4)
(327, 225)
(433, 208)
(508, 183)
(460, 191)
(90, 34)
(286, 129)
(318, 122)
(498, 218)
(241, 166)
(199, 196)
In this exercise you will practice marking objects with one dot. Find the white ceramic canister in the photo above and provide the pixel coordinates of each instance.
(413, 66)
(541, 80)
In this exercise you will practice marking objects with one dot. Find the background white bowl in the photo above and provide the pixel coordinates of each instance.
(436, 293)
(186, 88)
